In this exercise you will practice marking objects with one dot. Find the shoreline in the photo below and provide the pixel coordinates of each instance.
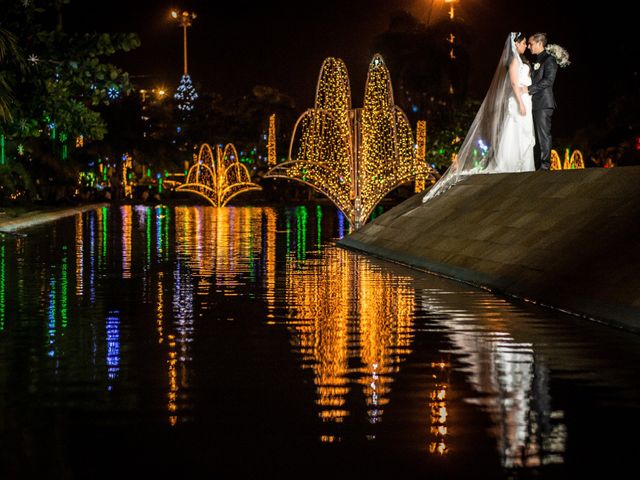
(38, 217)
(565, 240)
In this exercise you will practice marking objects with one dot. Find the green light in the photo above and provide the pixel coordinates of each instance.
(159, 229)
(3, 285)
(103, 238)
(64, 282)
(301, 231)
(165, 237)
(2, 157)
(319, 224)
(52, 314)
(148, 172)
(287, 215)
(147, 221)
(160, 185)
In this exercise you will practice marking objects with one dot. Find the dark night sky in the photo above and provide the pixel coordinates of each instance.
(234, 45)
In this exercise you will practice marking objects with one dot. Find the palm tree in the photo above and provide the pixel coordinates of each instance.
(8, 48)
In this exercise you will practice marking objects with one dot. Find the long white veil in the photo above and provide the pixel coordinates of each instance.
(478, 151)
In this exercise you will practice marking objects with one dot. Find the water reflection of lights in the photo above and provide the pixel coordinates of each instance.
(160, 308)
(92, 256)
(52, 316)
(113, 345)
(511, 380)
(329, 334)
(216, 248)
(438, 429)
(79, 243)
(64, 288)
(219, 245)
(3, 285)
(340, 224)
(126, 213)
(104, 231)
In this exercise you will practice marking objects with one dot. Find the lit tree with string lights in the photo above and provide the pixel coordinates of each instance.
(353, 156)
(186, 93)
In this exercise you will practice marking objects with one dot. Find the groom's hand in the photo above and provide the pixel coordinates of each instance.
(525, 89)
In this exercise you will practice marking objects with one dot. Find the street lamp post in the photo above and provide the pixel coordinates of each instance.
(186, 93)
(185, 19)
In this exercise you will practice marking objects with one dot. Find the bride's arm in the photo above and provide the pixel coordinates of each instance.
(514, 76)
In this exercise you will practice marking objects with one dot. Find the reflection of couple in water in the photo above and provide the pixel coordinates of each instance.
(512, 129)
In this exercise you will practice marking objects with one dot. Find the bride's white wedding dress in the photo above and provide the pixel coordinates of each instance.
(500, 139)
(515, 147)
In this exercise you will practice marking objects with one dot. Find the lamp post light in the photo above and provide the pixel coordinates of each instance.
(185, 19)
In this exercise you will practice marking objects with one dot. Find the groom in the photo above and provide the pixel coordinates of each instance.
(543, 102)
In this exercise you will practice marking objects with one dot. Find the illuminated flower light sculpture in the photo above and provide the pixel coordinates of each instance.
(571, 162)
(218, 178)
(353, 156)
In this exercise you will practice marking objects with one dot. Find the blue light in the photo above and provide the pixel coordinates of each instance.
(113, 344)
(113, 93)
(340, 224)
(483, 146)
(414, 108)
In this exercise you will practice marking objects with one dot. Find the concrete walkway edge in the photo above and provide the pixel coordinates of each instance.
(625, 317)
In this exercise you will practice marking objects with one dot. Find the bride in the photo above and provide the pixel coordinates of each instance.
(501, 137)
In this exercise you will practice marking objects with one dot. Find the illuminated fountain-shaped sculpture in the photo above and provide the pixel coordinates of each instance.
(353, 156)
(219, 178)
(571, 162)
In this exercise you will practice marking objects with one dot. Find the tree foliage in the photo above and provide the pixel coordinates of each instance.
(64, 79)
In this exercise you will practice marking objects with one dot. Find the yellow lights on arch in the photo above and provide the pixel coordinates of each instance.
(421, 152)
(218, 178)
(571, 162)
(271, 145)
(354, 156)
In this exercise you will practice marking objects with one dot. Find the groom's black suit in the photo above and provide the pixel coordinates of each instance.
(543, 104)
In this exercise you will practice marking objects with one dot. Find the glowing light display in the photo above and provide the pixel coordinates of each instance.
(186, 94)
(3, 287)
(421, 152)
(571, 162)
(353, 156)
(271, 146)
(113, 344)
(377, 337)
(79, 241)
(219, 178)
(126, 240)
(438, 410)
(127, 166)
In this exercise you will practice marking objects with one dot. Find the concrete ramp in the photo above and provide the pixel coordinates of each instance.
(568, 239)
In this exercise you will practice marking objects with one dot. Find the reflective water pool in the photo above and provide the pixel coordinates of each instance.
(168, 342)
